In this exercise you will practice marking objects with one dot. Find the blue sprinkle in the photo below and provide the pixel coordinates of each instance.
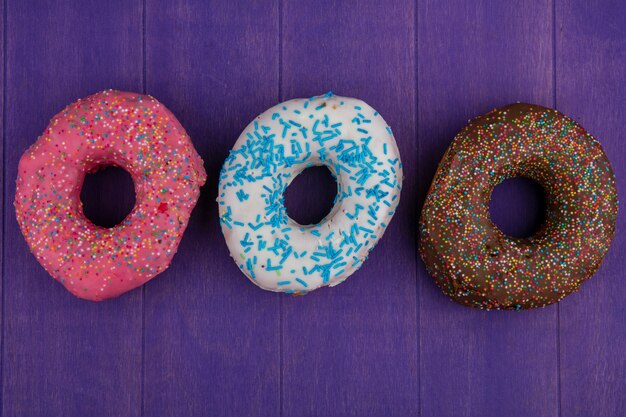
(242, 195)
(296, 138)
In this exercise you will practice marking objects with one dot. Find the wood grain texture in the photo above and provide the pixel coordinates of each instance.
(212, 339)
(2, 189)
(352, 349)
(591, 88)
(474, 56)
(64, 356)
(200, 339)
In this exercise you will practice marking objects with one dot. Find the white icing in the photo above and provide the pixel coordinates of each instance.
(356, 144)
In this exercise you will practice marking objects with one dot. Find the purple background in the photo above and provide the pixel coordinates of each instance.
(200, 339)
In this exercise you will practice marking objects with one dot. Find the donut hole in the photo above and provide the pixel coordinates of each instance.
(310, 196)
(518, 207)
(108, 196)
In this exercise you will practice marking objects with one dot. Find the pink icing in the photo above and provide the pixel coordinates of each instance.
(138, 134)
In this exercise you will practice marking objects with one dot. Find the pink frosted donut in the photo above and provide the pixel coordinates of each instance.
(111, 128)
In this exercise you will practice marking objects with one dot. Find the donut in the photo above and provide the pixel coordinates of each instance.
(111, 128)
(343, 134)
(476, 264)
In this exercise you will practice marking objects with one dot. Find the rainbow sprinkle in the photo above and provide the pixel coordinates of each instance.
(476, 264)
(134, 132)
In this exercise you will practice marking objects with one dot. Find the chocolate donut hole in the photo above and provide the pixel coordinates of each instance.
(518, 207)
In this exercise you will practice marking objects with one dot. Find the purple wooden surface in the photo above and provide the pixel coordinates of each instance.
(591, 86)
(61, 355)
(353, 349)
(212, 340)
(200, 339)
(472, 57)
(2, 130)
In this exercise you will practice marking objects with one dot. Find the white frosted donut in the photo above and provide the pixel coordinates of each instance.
(354, 142)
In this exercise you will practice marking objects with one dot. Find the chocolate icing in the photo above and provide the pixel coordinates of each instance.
(476, 264)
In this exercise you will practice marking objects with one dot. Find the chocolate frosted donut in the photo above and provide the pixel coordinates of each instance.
(476, 264)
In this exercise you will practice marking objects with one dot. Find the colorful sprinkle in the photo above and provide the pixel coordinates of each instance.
(476, 264)
(128, 130)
